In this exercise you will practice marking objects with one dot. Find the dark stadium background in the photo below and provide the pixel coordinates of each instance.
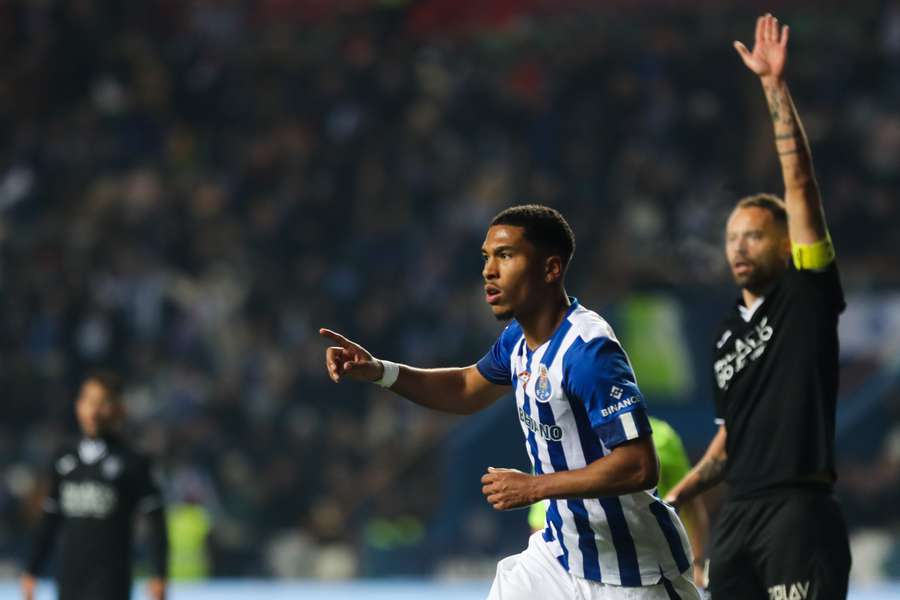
(189, 189)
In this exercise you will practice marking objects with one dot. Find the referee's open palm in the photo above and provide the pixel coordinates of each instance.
(349, 359)
(769, 54)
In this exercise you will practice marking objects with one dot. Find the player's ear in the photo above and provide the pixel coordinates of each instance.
(553, 269)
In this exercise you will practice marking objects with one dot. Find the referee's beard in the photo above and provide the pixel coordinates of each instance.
(761, 277)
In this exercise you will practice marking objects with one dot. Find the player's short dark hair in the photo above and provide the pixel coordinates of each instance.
(111, 383)
(544, 227)
(769, 202)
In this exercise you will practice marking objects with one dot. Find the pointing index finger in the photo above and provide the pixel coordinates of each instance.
(335, 337)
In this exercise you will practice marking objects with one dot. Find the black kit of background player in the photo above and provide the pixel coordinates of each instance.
(98, 485)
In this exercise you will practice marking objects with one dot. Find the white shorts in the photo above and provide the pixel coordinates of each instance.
(537, 574)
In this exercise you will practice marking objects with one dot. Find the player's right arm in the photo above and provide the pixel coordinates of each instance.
(152, 506)
(707, 473)
(674, 465)
(458, 390)
(696, 522)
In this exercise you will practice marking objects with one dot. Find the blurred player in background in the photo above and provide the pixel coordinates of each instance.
(780, 534)
(583, 417)
(673, 466)
(97, 487)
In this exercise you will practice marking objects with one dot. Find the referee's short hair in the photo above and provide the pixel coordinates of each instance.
(769, 202)
(111, 383)
(544, 227)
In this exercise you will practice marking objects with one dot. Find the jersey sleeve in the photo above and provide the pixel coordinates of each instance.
(719, 402)
(150, 504)
(815, 256)
(47, 529)
(147, 489)
(599, 375)
(51, 503)
(495, 365)
(817, 288)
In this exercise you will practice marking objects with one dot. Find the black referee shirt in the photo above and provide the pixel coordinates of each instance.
(97, 489)
(776, 383)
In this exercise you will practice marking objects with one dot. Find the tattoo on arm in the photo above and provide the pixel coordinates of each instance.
(791, 144)
(711, 470)
(789, 137)
(774, 105)
(779, 108)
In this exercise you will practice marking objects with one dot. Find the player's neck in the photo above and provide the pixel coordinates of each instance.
(539, 326)
(750, 297)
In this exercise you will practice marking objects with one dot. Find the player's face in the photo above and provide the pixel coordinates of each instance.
(513, 271)
(95, 411)
(757, 248)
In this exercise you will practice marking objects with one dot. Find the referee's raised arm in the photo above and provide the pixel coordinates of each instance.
(768, 59)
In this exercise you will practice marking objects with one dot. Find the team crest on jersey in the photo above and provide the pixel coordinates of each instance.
(66, 465)
(543, 389)
(111, 467)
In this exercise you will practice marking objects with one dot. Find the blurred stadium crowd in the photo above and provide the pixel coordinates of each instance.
(189, 189)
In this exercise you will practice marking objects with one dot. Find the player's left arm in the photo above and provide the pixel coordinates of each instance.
(630, 467)
(152, 507)
(810, 242)
(159, 553)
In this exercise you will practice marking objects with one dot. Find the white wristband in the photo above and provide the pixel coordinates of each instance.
(390, 374)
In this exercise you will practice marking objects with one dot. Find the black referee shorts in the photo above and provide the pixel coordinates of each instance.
(789, 545)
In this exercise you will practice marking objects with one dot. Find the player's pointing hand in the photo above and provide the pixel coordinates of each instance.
(350, 359)
(769, 54)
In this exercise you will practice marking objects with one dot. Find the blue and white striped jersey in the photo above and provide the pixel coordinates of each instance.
(577, 399)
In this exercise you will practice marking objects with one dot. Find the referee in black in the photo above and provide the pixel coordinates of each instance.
(98, 486)
(781, 535)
